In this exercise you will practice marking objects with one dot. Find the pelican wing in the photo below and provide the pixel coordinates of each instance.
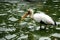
(43, 17)
(37, 17)
(47, 19)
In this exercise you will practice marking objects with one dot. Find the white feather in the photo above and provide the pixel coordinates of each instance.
(43, 17)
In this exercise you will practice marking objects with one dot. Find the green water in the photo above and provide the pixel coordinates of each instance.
(28, 29)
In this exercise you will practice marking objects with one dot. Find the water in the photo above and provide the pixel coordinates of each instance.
(11, 28)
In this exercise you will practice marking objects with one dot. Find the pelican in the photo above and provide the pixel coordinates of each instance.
(39, 17)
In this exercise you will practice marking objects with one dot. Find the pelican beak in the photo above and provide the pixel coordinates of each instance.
(24, 16)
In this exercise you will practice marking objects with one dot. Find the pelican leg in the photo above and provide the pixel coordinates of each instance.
(40, 26)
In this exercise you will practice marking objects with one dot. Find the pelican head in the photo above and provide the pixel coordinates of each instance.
(29, 12)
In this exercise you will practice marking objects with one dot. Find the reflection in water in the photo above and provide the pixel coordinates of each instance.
(11, 29)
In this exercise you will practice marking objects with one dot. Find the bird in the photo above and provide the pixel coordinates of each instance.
(39, 17)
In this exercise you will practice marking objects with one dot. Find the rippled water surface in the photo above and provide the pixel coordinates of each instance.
(11, 28)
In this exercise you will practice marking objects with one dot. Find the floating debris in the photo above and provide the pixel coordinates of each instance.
(42, 27)
(10, 25)
(20, 4)
(9, 11)
(7, 29)
(31, 27)
(13, 1)
(12, 19)
(2, 29)
(2, 39)
(44, 38)
(54, 14)
(21, 11)
(56, 5)
(29, 23)
(57, 35)
(23, 37)
(2, 14)
(10, 29)
(23, 23)
(10, 36)
(3, 23)
(14, 10)
(57, 28)
(44, 2)
(55, 0)
(37, 28)
(7, 4)
(57, 23)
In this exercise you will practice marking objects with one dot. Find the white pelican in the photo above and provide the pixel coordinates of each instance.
(40, 17)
